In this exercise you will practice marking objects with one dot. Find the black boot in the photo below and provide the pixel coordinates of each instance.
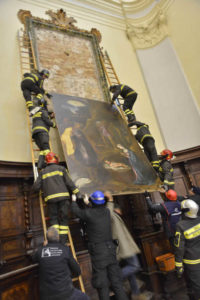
(41, 162)
(131, 119)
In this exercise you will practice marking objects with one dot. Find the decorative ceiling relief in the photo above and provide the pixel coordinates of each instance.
(147, 27)
(150, 31)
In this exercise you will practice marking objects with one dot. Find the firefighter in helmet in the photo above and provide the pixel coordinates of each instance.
(144, 137)
(187, 246)
(129, 95)
(166, 170)
(57, 186)
(170, 211)
(41, 123)
(32, 83)
(106, 270)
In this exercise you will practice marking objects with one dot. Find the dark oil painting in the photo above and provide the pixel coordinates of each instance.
(100, 151)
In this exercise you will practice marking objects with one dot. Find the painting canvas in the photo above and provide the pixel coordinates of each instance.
(100, 150)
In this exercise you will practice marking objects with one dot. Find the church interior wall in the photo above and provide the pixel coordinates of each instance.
(17, 178)
(184, 23)
(181, 16)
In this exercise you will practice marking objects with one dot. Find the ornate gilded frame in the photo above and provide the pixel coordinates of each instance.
(60, 22)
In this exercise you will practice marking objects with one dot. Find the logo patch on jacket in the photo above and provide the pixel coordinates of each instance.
(51, 251)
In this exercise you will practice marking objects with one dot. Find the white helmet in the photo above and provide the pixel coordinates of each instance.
(192, 208)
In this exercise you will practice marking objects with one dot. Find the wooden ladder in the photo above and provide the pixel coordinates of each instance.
(28, 64)
(112, 78)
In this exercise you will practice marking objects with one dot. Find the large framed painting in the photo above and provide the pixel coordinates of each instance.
(100, 150)
(72, 55)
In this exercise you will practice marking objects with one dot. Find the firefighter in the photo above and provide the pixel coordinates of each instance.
(57, 186)
(170, 211)
(194, 194)
(41, 123)
(144, 137)
(187, 246)
(105, 269)
(56, 264)
(32, 83)
(166, 170)
(129, 96)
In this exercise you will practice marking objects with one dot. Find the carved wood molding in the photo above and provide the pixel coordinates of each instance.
(9, 169)
(186, 155)
(58, 18)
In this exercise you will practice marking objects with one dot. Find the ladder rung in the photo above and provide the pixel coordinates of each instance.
(75, 279)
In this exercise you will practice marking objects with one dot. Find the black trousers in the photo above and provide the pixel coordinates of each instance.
(28, 87)
(106, 271)
(42, 140)
(58, 214)
(193, 279)
(150, 149)
(129, 101)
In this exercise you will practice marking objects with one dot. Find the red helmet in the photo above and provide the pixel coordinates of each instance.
(51, 158)
(168, 153)
(171, 195)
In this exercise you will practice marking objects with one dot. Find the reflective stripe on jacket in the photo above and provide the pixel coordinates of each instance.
(166, 172)
(36, 78)
(41, 122)
(187, 243)
(124, 91)
(55, 183)
(142, 133)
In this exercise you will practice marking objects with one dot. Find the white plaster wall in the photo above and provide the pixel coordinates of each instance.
(13, 124)
(183, 18)
(175, 106)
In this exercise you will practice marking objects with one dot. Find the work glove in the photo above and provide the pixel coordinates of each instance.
(49, 95)
(85, 199)
(165, 187)
(179, 271)
(73, 197)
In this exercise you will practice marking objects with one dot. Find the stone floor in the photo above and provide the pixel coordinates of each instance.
(173, 288)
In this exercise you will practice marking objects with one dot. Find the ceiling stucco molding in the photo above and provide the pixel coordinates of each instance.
(151, 29)
(145, 31)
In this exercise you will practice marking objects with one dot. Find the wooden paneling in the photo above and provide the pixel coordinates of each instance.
(23, 286)
(86, 271)
(21, 230)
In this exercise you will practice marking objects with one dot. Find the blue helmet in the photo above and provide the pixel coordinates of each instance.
(97, 197)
